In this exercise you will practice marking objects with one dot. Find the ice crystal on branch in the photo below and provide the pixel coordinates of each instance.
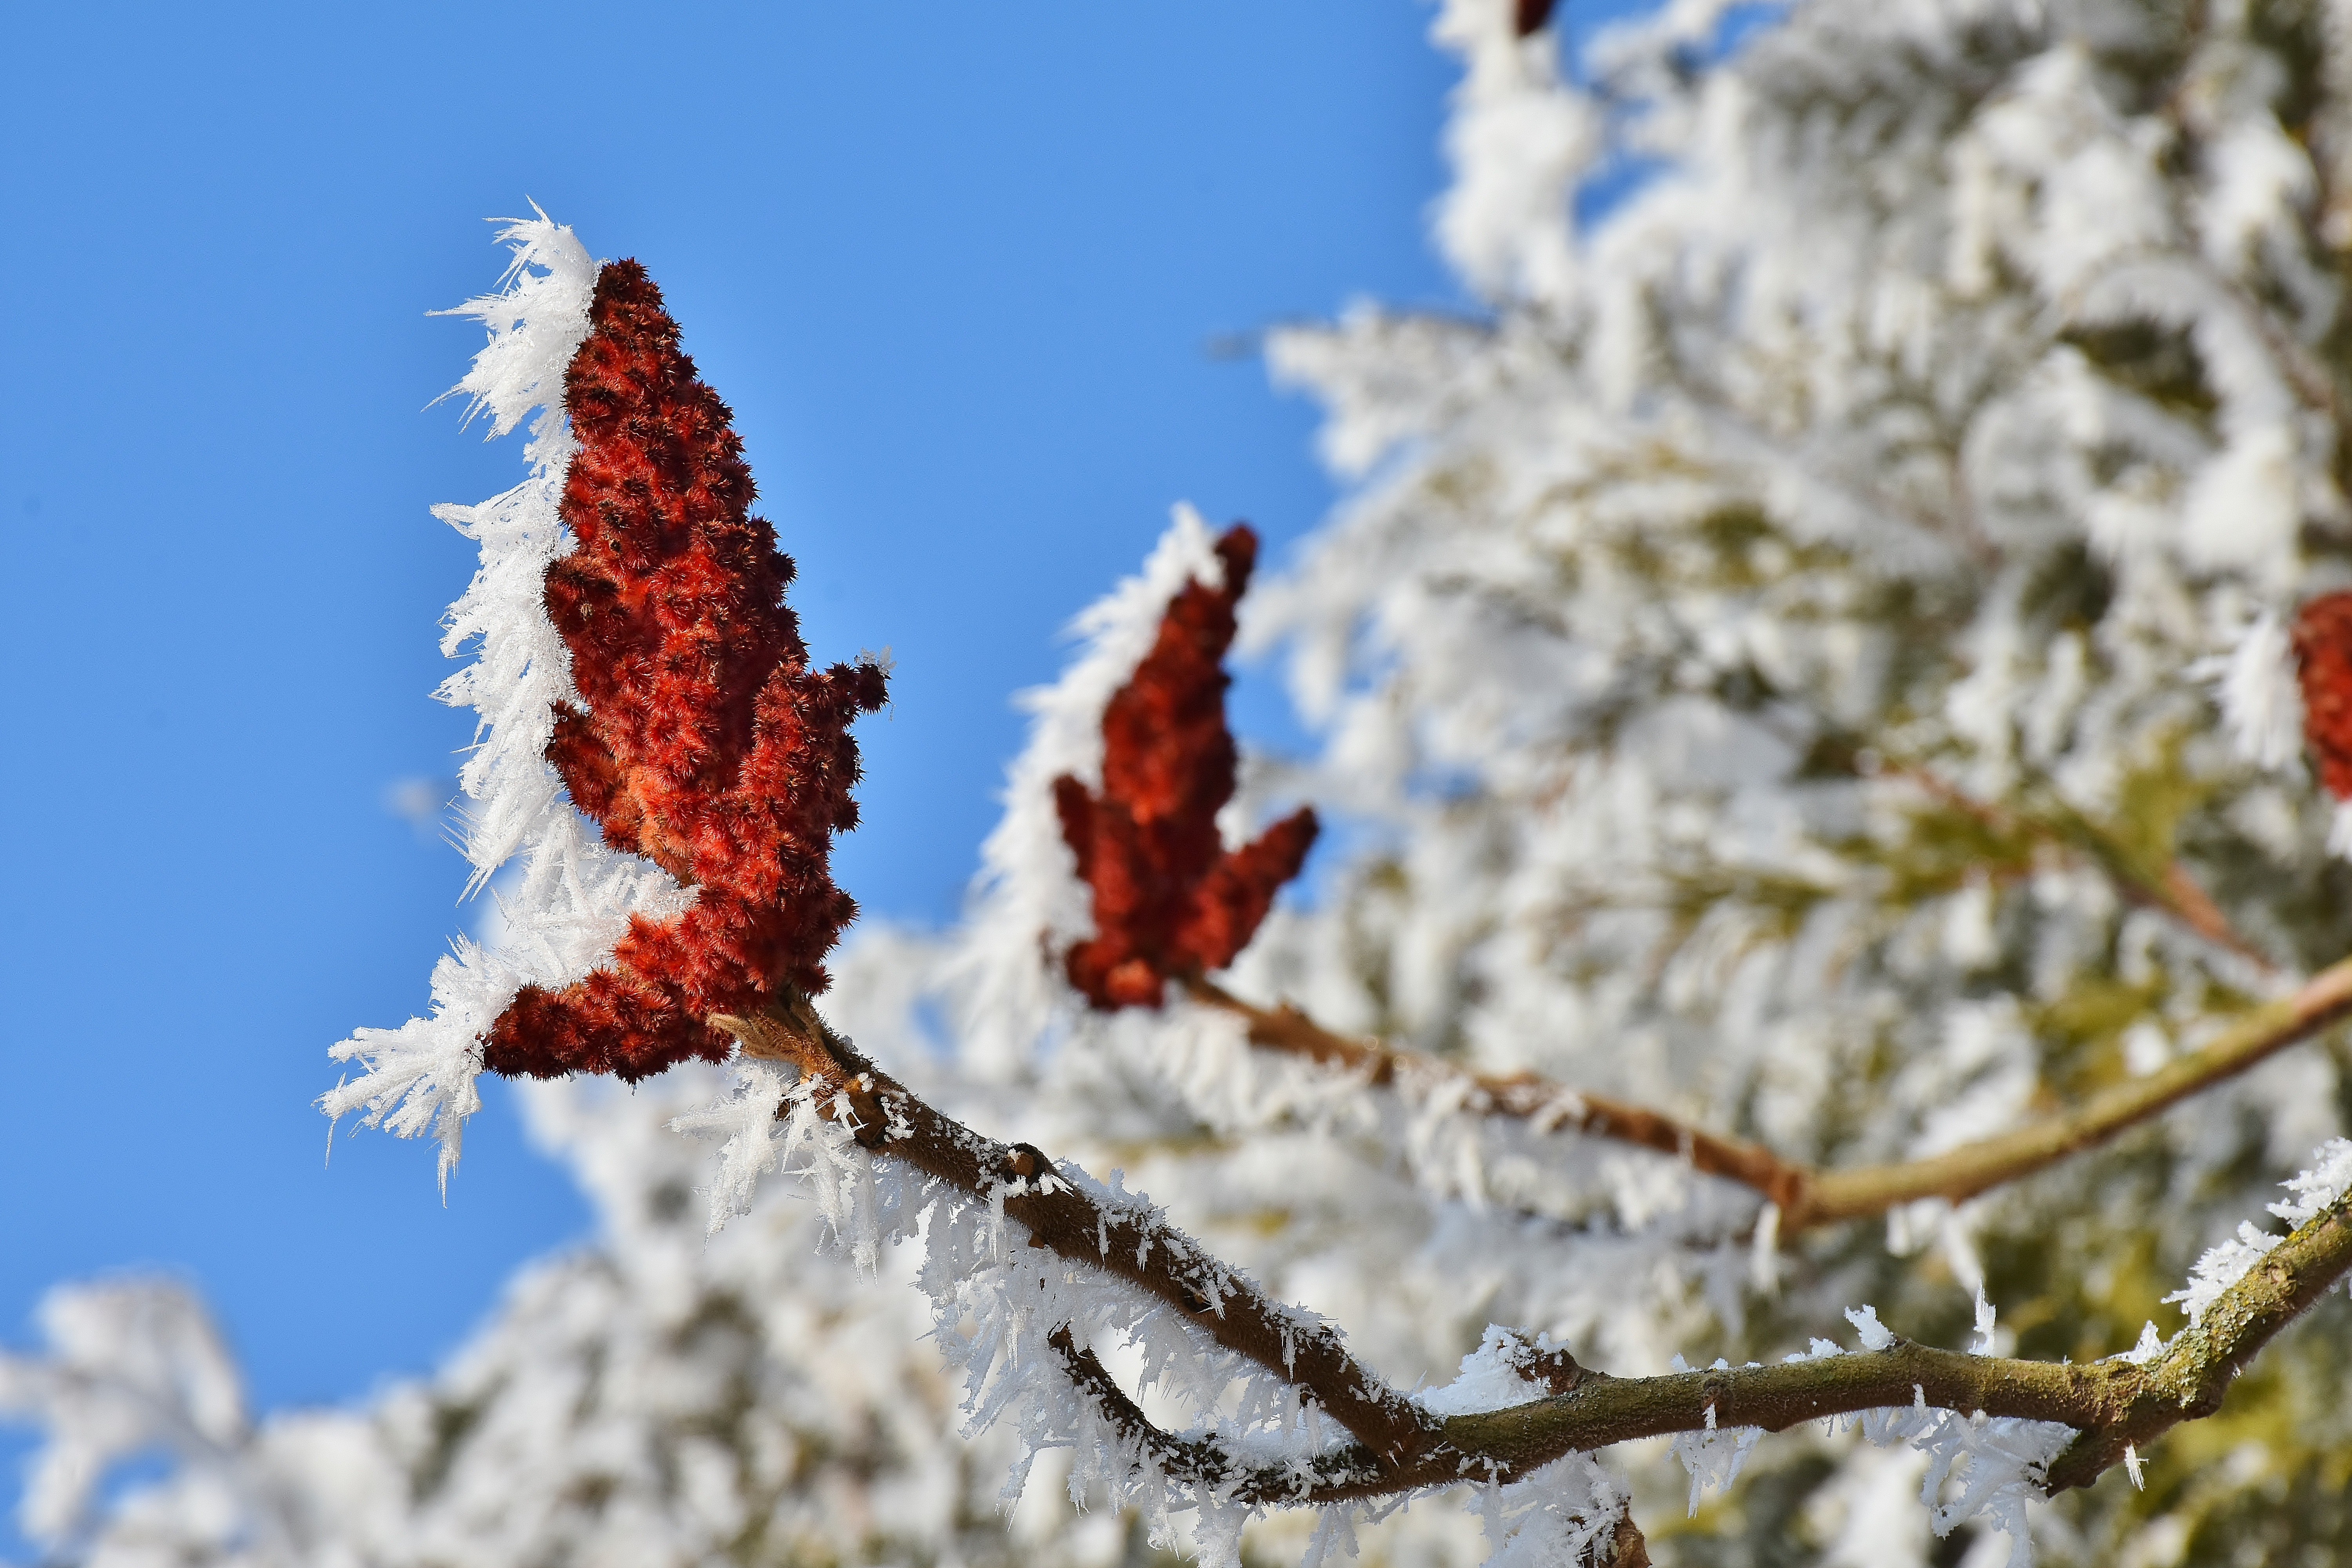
(1169, 900)
(573, 897)
(2325, 1178)
(704, 742)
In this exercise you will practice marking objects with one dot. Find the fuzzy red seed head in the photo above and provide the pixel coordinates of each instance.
(1169, 899)
(706, 743)
(2322, 656)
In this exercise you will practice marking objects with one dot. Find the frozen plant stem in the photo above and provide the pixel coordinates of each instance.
(1808, 1195)
(1399, 1447)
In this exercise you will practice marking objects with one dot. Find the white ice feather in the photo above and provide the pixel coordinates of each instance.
(573, 897)
(2317, 1186)
(2262, 701)
(1978, 1466)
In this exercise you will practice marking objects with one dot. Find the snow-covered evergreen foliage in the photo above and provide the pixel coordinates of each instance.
(1810, 653)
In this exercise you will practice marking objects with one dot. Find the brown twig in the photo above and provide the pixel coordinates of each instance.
(1806, 1194)
(1399, 1447)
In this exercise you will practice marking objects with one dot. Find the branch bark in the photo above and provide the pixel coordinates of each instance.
(1979, 1167)
(1808, 1195)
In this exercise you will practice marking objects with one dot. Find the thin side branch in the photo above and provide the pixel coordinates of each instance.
(1808, 1195)
(1979, 1167)
(1523, 1097)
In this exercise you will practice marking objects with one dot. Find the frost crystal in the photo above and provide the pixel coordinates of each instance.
(755, 1142)
(1986, 1317)
(2260, 700)
(1994, 1465)
(1712, 1457)
(573, 897)
(2320, 1184)
(2222, 1265)
(1562, 1513)
(1876, 1335)
(1977, 1466)
(2327, 1178)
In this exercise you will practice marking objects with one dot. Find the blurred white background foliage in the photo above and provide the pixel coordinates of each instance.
(1779, 661)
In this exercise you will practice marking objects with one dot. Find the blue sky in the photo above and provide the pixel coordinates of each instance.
(960, 271)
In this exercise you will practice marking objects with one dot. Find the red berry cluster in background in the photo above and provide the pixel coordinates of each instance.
(1169, 901)
(708, 744)
(2322, 656)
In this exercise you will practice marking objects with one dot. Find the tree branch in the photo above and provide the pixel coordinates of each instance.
(2111, 1405)
(1205, 1465)
(1401, 1447)
(1808, 1195)
(1981, 1166)
(1133, 1246)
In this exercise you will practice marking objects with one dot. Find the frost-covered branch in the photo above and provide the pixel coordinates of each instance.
(1403, 1446)
(1134, 1245)
(1207, 1465)
(1522, 1096)
(2112, 1404)
(1808, 1195)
